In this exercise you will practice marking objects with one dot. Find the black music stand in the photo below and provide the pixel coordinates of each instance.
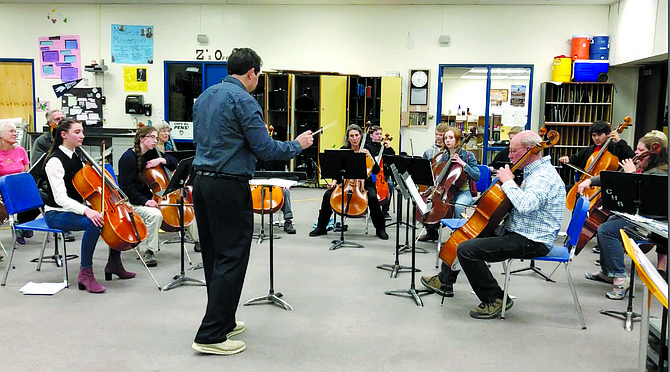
(274, 297)
(422, 174)
(633, 193)
(397, 164)
(343, 165)
(410, 191)
(178, 182)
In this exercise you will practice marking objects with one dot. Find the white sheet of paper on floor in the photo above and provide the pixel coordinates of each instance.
(32, 288)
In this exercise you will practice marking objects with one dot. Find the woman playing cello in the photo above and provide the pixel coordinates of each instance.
(131, 166)
(65, 208)
(353, 141)
(651, 157)
(462, 158)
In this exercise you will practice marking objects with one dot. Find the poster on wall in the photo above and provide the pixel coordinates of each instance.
(518, 95)
(132, 44)
(60, 57)
(498, 96)
(182, 130)
(135, 79)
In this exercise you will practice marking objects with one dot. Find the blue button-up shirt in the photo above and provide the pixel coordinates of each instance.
(230, 134)
(538, 203)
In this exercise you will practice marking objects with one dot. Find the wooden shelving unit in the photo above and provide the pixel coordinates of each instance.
(570, 109)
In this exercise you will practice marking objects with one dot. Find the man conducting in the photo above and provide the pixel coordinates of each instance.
(230, 136)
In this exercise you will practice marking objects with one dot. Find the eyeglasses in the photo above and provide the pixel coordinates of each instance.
(511, 150)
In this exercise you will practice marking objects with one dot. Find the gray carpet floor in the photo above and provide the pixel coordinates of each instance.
(342, 320)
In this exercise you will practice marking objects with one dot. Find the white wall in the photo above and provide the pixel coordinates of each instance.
(367, 40)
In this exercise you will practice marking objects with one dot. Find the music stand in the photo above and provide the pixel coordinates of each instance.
(633, 193)
(343, 165)
(397, 164)
(413, 193)
(422, 174)
(268, 180)
(178, 182)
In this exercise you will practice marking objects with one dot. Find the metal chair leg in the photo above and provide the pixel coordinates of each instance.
(44, 245)
(578, 307)
(507, 274)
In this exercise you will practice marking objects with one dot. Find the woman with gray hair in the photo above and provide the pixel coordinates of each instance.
(14, 159)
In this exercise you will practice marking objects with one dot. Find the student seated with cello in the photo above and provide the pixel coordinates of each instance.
(651, 157)
(600, 131)
(378, 146)
(65, 208)
(354, 135)
(529, 230)
(131, 181)
(452, 149)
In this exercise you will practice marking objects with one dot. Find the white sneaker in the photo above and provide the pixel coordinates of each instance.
(239, 328)
(228, 347)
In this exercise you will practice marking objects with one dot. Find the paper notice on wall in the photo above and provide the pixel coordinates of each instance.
(135, 79)
(182, 130)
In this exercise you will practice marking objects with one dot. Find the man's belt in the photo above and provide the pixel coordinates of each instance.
(224, 176)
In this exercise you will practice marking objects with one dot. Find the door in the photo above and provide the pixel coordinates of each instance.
(17, 95)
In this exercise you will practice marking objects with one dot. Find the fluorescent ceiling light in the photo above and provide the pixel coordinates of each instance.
(483, 77)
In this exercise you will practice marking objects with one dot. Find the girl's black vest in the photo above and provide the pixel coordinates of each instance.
(71, 166)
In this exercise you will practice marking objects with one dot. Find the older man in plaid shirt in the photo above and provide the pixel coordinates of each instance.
(530, 229)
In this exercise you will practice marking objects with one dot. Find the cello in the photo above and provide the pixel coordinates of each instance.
(158, 178)
(597, 162)
(450, 179)
(598, 215)
(350, 198)
(264, 201)
(492, 207)
(122, 229)
(383, 194)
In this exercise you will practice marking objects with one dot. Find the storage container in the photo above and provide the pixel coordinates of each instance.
(580, 47)
(562, 69)
(600, 47)
(590, 70)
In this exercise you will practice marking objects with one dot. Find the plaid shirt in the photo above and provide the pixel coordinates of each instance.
(538, 204)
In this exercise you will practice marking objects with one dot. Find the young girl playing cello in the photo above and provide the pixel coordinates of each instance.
(65, 208)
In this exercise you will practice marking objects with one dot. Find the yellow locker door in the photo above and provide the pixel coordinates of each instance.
(389, 117)
(333, 117)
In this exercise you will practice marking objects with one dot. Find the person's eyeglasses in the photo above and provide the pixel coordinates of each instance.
(511, 150)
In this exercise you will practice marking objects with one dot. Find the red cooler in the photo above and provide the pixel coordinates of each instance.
(580, 47)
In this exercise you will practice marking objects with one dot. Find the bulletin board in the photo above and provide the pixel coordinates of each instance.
(83, 104)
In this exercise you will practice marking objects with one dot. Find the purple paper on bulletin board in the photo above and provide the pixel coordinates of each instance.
(60, 53)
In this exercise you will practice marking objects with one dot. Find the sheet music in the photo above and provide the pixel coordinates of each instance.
(650, 269)
(659, 227)
(414, 192)
(273, 182)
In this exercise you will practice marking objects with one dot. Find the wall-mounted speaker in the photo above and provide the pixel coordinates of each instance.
(202, 38)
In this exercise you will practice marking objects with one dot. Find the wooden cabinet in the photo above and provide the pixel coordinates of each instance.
(376, 100)
(570, 109)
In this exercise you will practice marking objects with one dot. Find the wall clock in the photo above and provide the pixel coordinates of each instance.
(418, 93)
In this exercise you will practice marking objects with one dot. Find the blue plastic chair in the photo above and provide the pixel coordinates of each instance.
(20, 194)
(453, 224)
(562, 254)
(484, 178)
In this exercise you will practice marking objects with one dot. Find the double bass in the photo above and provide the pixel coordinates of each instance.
(450, 179)
(122, 229)
(158, 178)
(491, 208)
(597, 162)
